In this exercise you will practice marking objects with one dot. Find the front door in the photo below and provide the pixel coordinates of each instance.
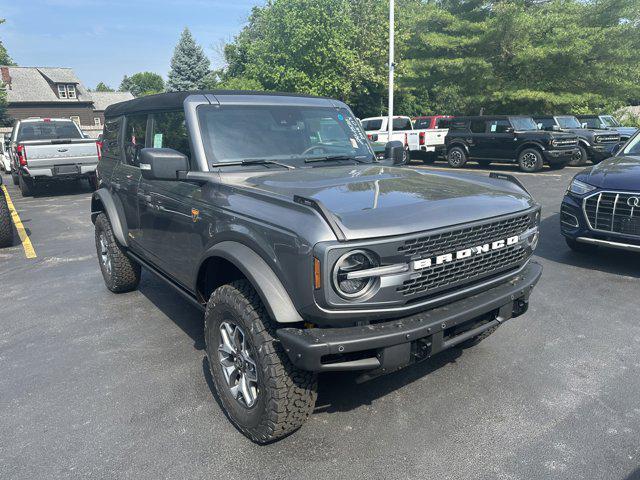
(500, 137)
(171, 220)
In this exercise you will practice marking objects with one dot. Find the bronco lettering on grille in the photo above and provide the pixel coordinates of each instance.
(464, 253)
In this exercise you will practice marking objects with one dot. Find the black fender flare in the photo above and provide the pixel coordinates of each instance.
(457, 143)
(262, 277)
(530, 144)
(113, 208)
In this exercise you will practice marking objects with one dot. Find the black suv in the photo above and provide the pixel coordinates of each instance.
(503, 138)
(271, 213)
(594, 145)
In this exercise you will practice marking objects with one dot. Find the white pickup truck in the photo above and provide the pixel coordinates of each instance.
(423, 144)
(44, 149)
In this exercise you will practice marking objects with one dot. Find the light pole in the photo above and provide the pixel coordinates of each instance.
(392, 65)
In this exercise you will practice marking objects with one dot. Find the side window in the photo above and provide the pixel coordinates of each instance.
(477, 126)
(372, 124)
(546, 123)
(111, 137)
(422, 123)
(401, 124)
(170, 131)
(499, 126)
(134, 138)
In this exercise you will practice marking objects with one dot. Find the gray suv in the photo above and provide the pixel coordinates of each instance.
(271, 213)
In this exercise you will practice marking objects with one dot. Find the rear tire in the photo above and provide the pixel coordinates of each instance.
(6, 229)
(279, 396)
(120, 273)
(530, 160)
(456, 157)
(26, 186)
(14, 178)
(93, 182)
(580, 159)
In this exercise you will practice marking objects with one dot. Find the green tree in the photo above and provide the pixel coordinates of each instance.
(189, 65)
(142, 83)
(103, 87)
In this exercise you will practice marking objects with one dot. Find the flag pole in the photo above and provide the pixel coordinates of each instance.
(392, 64)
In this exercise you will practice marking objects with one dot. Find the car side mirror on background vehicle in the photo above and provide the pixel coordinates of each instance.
(509, 130)
(162, 163)
(583, 125)
(394, 150)
(555, 128)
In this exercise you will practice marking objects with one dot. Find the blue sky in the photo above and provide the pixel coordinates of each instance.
(102, 40)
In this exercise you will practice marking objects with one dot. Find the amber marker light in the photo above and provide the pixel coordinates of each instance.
(316, 274)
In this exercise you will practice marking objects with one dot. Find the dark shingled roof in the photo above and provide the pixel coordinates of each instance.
(175, 100)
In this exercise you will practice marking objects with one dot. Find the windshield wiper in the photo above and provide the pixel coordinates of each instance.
(252, 161)
(329, 158)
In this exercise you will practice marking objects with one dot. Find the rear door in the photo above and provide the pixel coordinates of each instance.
(172, 220)
(477, 139)
(126, 176)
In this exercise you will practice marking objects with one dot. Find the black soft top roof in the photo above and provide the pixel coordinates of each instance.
(486, 117)
(175, 100)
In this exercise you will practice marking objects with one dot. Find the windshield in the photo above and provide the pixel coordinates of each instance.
(48, 130)
(523, 123)
(609, 121)
(633, 146)
(239, 132)
(568, 122)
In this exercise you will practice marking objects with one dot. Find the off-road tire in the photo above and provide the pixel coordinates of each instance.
(478, 338)
(456, 157)
(26, 186)
(286, 395)
(530, 160)
(579, 246)
(580, 160)
(125, 273)
(93, 182)
(6, 229)
(14, 177)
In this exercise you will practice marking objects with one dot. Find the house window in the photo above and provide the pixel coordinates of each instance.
(62, 91)
(71, 91)
(76, 119)
(96, 121)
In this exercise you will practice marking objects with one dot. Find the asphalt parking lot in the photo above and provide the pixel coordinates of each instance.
(99, 385)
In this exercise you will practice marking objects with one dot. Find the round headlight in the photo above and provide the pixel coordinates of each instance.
(353, 286)
(554, 143)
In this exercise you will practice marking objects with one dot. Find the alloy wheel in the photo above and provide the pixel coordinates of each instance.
(105, 258)
(238, 366)
(455, 157)
(529, 160)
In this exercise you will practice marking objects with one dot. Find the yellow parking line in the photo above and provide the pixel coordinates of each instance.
(22, 233)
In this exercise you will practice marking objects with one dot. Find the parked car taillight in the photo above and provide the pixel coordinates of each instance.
(99, 149)
(422, 138)
(22, 155)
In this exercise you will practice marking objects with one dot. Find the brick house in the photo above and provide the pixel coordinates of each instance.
(56, 93)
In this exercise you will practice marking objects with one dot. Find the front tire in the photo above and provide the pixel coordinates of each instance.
(121, 274)
(258, 387)
(456, 157)
(580, 159)
(530, 160)
(6, 230)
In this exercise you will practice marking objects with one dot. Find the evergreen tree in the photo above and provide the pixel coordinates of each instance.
(189, 65)
(103, 87)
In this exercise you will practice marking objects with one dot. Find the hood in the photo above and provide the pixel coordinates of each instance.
(625, 130)
(546, 135)
(616, 173)
(373, 201)
(587, 132)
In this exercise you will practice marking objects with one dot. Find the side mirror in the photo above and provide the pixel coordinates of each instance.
(509, 130)
(617, 147)
(583, 125)
(556, 128)
(162, 163)
(395, 151)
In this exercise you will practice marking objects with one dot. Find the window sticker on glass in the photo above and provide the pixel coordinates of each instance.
(494, 127)
(157, 140)
(354, 144)
(340, 117)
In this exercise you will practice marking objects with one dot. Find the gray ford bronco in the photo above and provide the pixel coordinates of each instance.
(306, 254)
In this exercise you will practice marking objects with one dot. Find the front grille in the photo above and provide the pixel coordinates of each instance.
(613, 212)
(565, 142)
(468, 270)
(607, 138)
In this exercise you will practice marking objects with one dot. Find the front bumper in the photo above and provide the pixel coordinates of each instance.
(387, 346)
(559, 156)
(600, 151)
